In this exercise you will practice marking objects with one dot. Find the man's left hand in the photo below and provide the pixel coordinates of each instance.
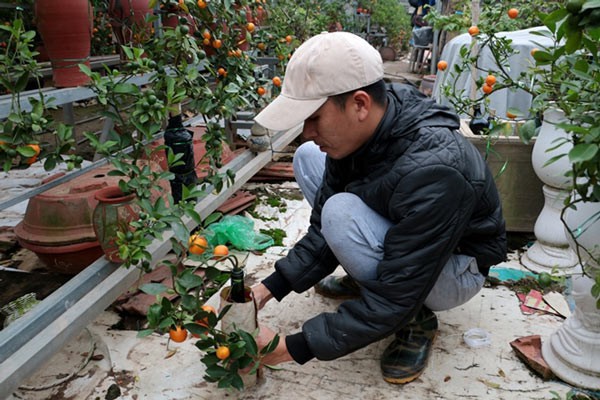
(280, 354)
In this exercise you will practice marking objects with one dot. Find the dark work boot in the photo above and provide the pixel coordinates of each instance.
(406, 357)
(338, 287)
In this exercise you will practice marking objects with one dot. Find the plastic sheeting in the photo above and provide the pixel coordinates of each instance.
(523, 41)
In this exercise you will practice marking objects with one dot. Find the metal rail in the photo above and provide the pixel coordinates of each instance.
(29, 342)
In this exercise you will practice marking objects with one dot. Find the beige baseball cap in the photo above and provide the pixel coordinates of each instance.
(327, 64)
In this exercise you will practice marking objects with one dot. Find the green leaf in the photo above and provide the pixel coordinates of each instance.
(22, 82)
(189, 302)
(85, 69)
(126, 88)
(154, 288)
(232, 88)
(271, 346)
(50, 163)
(583, 152)
(26, 151)
(596, 290)
(573, 41)
(553, 18)
(251, 345)
(180, 231)
(216, 371)
(196, 329)
(225, 382)
(154, 314)
(14, 117)
(190, 281)
(239, 350)
(210, 358)
(237, 382)
(527, 131)
(144, 333)
(590, 4)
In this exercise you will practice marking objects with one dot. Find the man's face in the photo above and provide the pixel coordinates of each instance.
(337, 132)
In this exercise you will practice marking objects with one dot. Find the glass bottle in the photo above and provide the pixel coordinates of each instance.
(237, 294)
(479, 124)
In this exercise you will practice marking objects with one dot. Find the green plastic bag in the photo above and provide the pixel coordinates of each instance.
(239, 231)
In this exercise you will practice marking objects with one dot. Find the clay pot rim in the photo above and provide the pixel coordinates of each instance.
(113, 195)
(52, 249)
(36, 236)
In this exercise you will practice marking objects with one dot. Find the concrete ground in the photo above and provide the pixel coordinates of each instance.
(104, 362)
(147, 369)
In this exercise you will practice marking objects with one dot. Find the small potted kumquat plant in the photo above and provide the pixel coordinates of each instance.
(226, 336)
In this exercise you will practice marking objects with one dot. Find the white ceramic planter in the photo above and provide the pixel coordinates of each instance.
(573, 351)
(551, 251)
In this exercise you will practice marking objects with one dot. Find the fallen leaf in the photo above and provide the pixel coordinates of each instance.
(488, 383)
(170, 354)
(273, 367)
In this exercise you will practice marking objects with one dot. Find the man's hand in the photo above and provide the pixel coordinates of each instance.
(261, 295)
(280, 354)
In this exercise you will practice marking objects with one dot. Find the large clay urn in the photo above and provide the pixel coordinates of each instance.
(66, 30)
(128, 21)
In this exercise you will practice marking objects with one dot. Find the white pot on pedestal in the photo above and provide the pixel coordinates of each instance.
(551, 251)
(573, 351)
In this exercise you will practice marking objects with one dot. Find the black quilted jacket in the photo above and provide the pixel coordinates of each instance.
(419, 172)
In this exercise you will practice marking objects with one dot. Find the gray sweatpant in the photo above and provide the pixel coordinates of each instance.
(355, 234)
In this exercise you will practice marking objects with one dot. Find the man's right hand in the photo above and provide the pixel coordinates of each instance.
(261, 295)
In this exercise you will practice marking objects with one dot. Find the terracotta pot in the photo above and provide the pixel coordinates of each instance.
(261, 15)
(66, 29)
(114, 212)
(128, 20)
(63, 215)
(57, 225)
(68, 259)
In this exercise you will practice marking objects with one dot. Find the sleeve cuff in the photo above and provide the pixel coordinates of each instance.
(277, 285)
(298, 348)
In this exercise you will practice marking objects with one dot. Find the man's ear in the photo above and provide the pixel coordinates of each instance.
(362, 103)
